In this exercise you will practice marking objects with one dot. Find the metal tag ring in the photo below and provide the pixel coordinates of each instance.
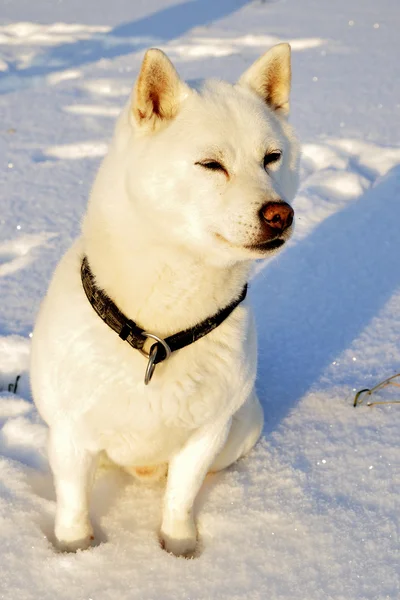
(157, 339)
(152, 355)
(150, 365)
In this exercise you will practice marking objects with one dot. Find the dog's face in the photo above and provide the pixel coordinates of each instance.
(214, 170)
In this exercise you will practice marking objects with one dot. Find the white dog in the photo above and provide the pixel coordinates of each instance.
(194, 188)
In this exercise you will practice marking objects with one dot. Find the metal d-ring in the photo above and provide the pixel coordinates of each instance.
(150, 365)
(157, 339)
(152, 355)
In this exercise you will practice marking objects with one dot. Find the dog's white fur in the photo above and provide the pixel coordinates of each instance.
(168, 240)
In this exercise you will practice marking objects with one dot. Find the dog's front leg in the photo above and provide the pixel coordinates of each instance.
(186, 473)
(73, 469)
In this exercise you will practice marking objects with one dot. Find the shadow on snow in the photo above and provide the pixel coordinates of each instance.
(314, 300)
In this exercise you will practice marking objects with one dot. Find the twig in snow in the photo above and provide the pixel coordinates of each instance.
(360, 396)
(12, 387)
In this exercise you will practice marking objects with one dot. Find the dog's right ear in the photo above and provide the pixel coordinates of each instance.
(158, 91)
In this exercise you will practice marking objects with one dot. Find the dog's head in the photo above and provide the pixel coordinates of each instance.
(215, 170)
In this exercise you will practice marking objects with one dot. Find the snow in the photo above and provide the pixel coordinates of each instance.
(312, 513)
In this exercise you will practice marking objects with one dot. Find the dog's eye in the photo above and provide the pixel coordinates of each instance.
(271, 158)
(213, 165)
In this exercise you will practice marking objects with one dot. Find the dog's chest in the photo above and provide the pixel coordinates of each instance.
(138, 424)
(192, 388)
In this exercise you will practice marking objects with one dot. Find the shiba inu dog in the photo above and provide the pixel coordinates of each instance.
(144, 349)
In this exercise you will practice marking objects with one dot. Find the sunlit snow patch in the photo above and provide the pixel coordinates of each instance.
(93, 110)
(16, 254)
(77, 151)
(200, 47)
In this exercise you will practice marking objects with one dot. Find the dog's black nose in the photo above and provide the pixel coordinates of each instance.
(278, 215)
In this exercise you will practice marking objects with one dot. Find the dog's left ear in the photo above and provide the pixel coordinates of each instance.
(158, 91)
(270, 78)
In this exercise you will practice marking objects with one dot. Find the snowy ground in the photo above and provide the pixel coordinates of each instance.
(312, 513)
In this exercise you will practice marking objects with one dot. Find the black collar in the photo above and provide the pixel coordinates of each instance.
(129, 331)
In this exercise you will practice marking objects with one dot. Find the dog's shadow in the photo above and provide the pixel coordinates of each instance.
(315, 299)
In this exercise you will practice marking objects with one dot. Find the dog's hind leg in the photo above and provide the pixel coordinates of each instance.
(73, 469)
(246, 428)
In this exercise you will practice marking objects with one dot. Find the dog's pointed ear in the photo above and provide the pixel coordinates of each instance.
(270, 78)
(158, 91)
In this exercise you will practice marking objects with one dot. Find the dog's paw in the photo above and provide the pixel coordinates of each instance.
(73, 538)
(179, 538)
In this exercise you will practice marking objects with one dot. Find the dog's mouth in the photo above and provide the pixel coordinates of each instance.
(262, 248)
(267, 246)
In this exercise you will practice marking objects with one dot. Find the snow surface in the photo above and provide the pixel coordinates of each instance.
(312, 513)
